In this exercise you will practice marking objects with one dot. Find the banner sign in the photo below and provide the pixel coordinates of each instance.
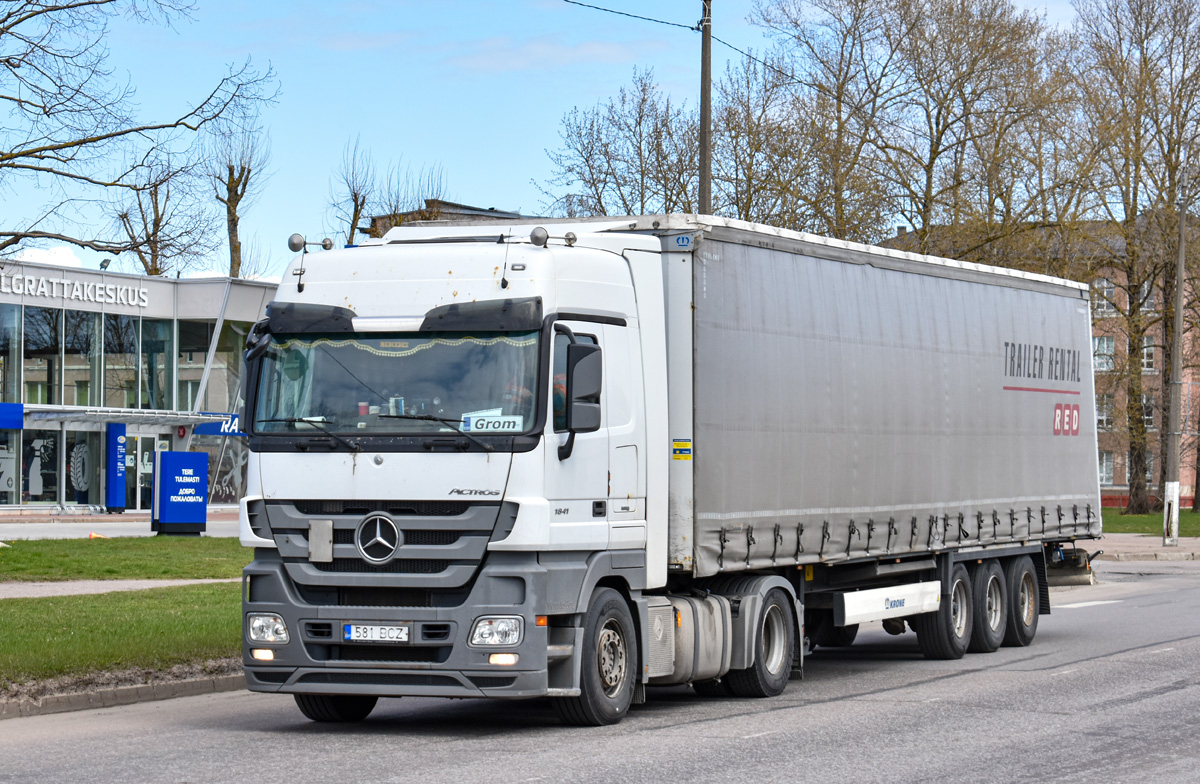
(180, 489)
(230, 427)
(114, 464)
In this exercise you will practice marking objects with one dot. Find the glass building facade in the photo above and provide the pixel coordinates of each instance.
(158, 357)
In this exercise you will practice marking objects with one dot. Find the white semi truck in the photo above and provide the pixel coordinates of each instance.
(576, 459)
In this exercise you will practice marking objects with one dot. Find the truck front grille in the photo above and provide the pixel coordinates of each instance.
(398, 566)
(395, 508)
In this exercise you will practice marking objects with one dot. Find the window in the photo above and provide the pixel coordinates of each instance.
(120, 361)
(83, 360)
(1148, 410)
(1106, 468)
(559, 379)
(10, 359)
(1148, 349)
(1104, 412)
(157, 349)
(39, 466)
(1102, 353)
(1147, 296)
(43, 351)
(1149, 468)
(1103, 292)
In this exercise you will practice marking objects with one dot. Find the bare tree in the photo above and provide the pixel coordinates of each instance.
(165, 222)
(235, 164)
(353, 188)
(71, 129)
(407, 195)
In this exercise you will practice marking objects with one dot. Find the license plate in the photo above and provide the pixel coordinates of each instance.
(358, 632)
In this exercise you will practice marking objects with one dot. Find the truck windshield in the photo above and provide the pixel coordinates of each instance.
(389, 384)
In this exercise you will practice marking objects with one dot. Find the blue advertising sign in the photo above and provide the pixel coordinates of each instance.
(114, 463)
(12, 416)
(230, 427)
(180, 490)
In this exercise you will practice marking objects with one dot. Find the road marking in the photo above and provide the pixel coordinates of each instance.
(1077, 605)
(759, 734)
(1064, 672)
(1162, 650)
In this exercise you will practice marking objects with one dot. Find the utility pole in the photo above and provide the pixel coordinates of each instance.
(706, 110)
(1171, 499)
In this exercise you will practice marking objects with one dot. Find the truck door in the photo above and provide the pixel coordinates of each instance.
(577, 487)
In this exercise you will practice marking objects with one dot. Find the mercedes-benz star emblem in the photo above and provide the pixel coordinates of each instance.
(378, 538)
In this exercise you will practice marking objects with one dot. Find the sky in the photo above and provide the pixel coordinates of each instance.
(476, 87)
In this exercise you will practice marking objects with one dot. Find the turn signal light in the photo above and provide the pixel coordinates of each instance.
(541, 620)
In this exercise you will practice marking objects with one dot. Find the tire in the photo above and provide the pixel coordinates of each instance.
(946, 633)
(715, 687)
(821, 631)
(1024, 602)
(774, 649)
(609, 662)
(990, 591)
(335, 707)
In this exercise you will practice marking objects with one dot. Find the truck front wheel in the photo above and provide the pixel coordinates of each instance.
(774, 647)
(608, 666)
(945, 634)
(335, 707)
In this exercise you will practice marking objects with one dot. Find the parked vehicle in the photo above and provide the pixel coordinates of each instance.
(579, 458)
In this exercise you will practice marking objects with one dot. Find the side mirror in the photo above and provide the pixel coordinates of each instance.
(584, 379)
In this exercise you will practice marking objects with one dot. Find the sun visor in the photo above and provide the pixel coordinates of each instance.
(493, 315)
(291, 317)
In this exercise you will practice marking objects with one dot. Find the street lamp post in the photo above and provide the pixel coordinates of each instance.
(1171, 496)
(706, 110)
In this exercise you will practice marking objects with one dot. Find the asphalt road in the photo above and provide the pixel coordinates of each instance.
(1107, 692)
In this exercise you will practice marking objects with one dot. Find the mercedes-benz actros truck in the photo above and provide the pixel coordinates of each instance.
(576, 459)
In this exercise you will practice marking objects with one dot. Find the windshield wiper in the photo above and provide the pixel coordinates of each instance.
(316, 422)
(451, 423)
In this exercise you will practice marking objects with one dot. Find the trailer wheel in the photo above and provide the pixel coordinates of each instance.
(945, 634)
(774, 646)
(608, 666)
(991, 607)
(335, 707)
(1024, 601)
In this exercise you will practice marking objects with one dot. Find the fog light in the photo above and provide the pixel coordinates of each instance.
(502, 658)
(267, 627)
(496, 631)
(263, 654)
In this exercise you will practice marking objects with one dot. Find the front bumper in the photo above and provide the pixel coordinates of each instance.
(437, 662)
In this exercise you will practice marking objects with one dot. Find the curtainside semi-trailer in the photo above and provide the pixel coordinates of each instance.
(579, 458)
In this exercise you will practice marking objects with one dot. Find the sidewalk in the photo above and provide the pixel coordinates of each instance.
(1142, 547)
(222, 521)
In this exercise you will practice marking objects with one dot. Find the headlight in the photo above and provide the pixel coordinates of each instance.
(267, 627)
(497, 631)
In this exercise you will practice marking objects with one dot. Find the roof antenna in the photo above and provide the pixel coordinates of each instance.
(504, 274)
(297, 244)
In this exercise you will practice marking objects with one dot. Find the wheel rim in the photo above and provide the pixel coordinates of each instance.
(995, 603)
(611, 658)
(774, 639)
(1027, 594)
(958, 609)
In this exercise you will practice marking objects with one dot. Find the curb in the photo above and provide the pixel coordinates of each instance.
(1147, 557)
(121, 695)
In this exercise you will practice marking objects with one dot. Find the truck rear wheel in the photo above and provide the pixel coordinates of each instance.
(774, 647)
(1024, 602)
(991, 607)
(946, 633)
(335, 707)
(608, 666)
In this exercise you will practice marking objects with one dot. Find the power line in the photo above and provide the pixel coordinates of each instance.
(694, 28)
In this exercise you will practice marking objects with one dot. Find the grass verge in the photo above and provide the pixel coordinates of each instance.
(1117, 523)
(155, 629)
(131, 558)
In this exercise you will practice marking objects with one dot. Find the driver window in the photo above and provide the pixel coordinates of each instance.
(559, 389)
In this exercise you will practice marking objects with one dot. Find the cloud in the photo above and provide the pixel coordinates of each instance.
(543, 53)
(61, 255)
